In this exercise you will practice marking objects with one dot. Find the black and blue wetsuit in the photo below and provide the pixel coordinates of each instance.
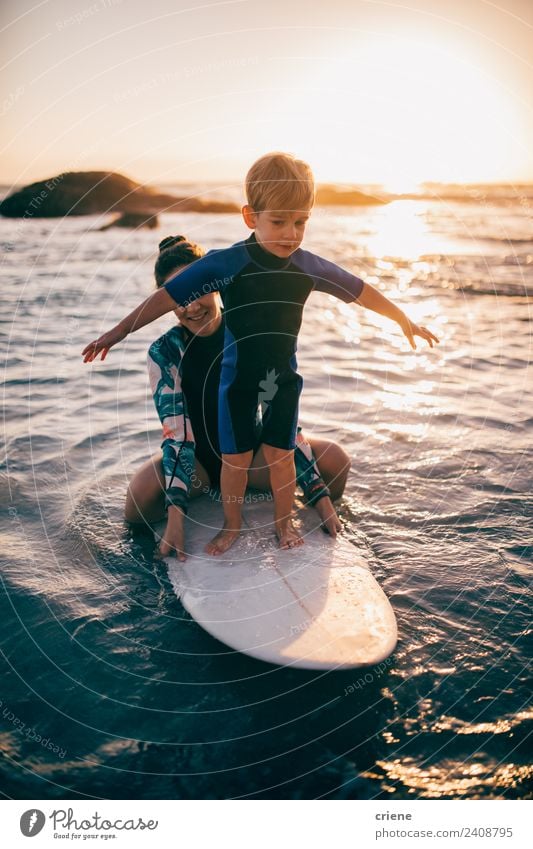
(263, 297)
(180, 363)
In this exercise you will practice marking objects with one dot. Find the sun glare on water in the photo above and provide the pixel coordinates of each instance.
(400, 229)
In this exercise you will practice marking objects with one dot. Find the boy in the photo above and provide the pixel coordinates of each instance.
(264, 282)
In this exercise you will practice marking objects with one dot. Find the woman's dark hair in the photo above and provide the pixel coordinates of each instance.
(174, 251)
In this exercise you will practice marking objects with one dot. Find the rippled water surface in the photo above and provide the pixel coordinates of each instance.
(110, 690)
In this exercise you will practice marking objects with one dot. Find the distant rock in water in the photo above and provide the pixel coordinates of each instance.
(95, 192)
(137, 220)
(336, 196)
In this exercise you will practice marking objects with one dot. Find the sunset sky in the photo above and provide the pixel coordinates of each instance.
(173, 90)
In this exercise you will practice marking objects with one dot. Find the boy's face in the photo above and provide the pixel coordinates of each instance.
(278, 232)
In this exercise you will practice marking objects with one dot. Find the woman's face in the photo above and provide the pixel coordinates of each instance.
(203, 317)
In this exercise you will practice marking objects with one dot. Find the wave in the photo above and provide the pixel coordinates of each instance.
(502, 290)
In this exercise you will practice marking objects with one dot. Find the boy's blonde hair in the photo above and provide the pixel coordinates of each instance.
(279, 181)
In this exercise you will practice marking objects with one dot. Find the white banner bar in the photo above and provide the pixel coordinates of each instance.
(266, 824)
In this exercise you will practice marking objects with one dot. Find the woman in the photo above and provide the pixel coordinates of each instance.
(184, 369)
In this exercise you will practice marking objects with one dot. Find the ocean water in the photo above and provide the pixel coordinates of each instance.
(110, 690)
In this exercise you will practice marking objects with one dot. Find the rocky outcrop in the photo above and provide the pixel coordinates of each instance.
(96, 192)
(337, 196)
(137, 220)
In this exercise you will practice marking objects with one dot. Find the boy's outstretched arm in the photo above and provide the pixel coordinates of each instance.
(373, 300)
(153, 307)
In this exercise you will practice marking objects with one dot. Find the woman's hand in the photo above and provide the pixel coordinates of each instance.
(103, 344)
(173, 539)
(328, 515)
(411, 330)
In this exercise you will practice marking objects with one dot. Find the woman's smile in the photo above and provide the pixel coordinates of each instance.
(204, 321)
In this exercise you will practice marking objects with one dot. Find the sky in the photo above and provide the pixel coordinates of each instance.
(368, 91)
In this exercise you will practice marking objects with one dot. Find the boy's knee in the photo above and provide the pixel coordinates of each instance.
(278, 455)
(233, 462)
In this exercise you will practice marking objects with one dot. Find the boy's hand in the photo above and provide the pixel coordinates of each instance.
(328, 515)
(103, 344)
(411, 330)
(173, 539)
(372, 299)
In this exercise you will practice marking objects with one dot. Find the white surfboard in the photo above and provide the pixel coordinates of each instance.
(316, 606)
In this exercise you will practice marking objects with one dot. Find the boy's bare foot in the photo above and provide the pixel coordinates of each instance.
(287, 534)
(223, 540)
